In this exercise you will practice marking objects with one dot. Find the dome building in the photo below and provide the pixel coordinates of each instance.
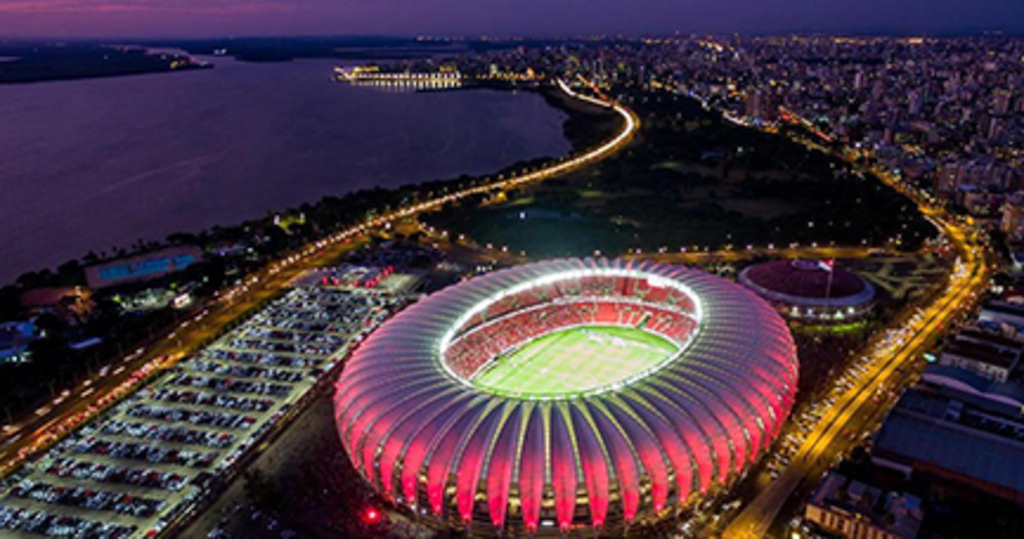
(811, 291)
(567, 395)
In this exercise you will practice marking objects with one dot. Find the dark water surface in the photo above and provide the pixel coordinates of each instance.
(89, 165)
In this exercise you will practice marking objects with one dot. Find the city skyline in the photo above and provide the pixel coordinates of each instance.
(530, 18)
(352, 268)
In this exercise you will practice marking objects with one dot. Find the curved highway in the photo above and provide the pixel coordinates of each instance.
(857, 410)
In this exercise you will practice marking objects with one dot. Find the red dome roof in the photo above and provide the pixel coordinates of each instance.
(423, 435)
(804, 279)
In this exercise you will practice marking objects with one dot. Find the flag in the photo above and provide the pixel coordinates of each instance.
(827, 265)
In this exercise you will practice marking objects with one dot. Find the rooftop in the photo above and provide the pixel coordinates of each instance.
(984, 353)
(899, 514)
(1003, 307)
(990, 337)
(932, 426)
(805, 278)
(976, 388)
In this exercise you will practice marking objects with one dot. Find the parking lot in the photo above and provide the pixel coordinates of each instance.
(147, 460)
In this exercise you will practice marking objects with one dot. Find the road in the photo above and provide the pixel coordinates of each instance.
(67, 412)
(741, 255)
(858, 410)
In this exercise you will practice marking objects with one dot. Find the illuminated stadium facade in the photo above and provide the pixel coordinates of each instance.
(569, 394)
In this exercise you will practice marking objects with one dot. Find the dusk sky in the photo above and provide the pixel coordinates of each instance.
(503, 17)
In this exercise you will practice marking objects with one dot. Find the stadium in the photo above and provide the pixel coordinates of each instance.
(567, 395)
(810, 291)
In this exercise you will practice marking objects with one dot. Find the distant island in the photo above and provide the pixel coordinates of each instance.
(41, 62)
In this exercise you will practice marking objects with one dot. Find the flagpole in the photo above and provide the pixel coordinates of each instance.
(828, 287)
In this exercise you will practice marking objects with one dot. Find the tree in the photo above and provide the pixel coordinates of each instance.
(259, 489)
(70, 273)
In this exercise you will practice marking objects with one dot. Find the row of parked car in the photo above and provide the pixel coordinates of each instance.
(106, 473)
(145, 453)
(99, 500)
(221, 368)
(265, 359)
(229, 385)
(274, 333)
(279, 347)
(206, 398)
(204, 418)
(58, 525)
(165, 433)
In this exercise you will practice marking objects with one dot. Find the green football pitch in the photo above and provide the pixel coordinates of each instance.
(575, 360)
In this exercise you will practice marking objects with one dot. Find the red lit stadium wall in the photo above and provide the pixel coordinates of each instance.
(418, 429)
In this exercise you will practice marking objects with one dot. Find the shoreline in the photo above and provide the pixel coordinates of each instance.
(27, 65)
(34, 272)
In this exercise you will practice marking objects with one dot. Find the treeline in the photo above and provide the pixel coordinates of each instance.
(39, 63)
(695, 179)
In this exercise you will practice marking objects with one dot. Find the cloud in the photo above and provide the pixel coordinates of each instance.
(91, 7)
(499, 17)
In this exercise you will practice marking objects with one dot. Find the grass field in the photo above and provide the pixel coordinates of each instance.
(575, 360)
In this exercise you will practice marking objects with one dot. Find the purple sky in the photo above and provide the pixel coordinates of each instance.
(503, 17)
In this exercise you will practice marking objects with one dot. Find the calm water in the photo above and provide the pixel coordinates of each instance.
(89, 165)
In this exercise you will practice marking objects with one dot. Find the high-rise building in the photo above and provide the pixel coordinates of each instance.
(1001, 100)
(859, 80)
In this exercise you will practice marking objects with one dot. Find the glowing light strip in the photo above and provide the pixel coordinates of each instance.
(568, 301)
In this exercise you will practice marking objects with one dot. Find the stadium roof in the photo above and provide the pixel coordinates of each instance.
(806, 283)
(418, 431)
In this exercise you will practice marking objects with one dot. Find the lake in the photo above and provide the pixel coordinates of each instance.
(89, 165)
